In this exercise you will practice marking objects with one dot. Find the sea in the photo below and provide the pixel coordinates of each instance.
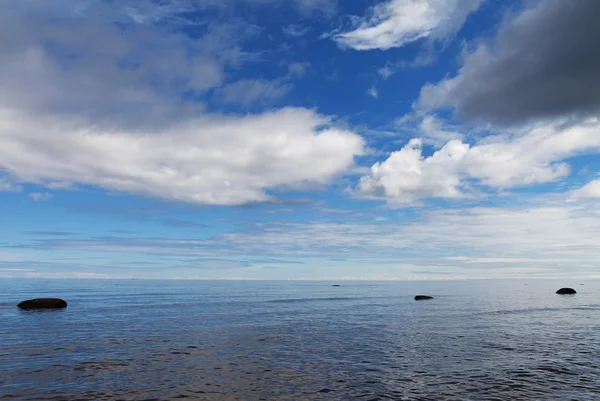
(301, 340)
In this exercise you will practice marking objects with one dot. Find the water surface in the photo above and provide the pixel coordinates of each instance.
(245, 340)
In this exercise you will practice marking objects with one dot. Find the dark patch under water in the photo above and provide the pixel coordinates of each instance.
(171, 340)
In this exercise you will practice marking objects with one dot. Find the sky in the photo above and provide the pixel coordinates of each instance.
(300, 139)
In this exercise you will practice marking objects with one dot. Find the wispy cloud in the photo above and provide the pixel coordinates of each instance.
(247, 92)
(373, 92)
(182, 223)
(395, 23)
(7, 184)
(296, 30)
(552, 237)
(326, 7)
(41, 196)
(50, 233)
(297, 69)
(590, 190)
(386, 71)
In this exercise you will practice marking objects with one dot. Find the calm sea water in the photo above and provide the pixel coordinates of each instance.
(167, 340)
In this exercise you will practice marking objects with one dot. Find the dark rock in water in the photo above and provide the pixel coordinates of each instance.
(422, 297)
(335, 285)
(43, 303)
(566, 291)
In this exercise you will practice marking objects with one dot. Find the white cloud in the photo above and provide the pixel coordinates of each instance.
(544, 231)
(327, 7)
(536, 157)
(407, 176)
(41, 196)
(295, 30)
(589, 190)
(62, 185)
(394, 23)
(386, 71)
(433, 132)
(548, 239)
(76, 275)
(297, 70)
(116, 105)
(7, 185)
(305, 7)
(249, 92)
(211, 159)
(373, 92)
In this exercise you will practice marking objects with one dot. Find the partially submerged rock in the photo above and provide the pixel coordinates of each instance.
(422, 297)
(566, 291)
(43, 303)
(335, 285)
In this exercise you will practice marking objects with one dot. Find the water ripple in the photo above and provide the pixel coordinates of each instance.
(199, 341)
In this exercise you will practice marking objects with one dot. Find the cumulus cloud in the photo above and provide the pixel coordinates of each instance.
(407, 176)
(543, 63)
(394, 23)
(502, 162)
(214, 160)
(119, 106)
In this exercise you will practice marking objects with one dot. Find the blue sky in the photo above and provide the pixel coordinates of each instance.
(299, 139)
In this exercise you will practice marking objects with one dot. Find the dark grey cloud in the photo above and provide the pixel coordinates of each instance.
(543, 63)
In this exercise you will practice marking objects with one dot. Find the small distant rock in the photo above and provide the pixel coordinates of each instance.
(422, 297)
(43, 303)
(566, 291)
(335, 285)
